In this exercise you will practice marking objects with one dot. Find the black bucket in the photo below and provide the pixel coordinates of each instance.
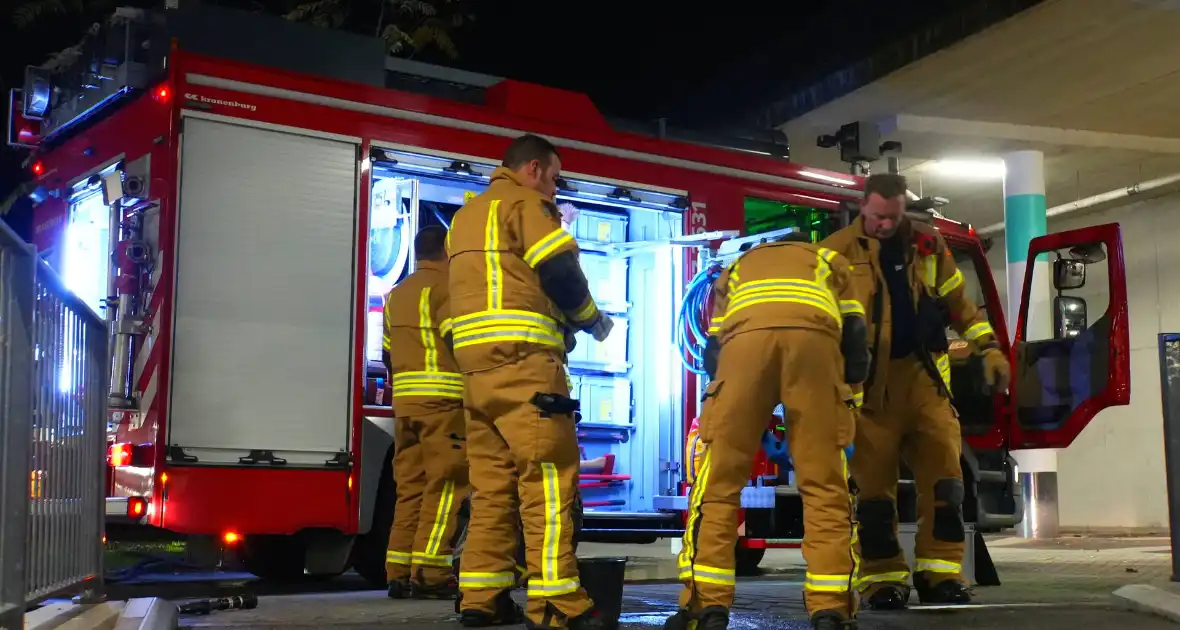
(603, 580)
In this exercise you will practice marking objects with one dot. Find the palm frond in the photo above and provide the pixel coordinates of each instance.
(434, 33)
(32, 12)
(413, 7)
(396, 40)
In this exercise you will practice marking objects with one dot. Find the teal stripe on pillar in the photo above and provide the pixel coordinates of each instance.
(1024, 220)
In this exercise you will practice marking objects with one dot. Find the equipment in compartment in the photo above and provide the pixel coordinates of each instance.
(605, 400)
(607, 277)
(600, 227)
(606, 356)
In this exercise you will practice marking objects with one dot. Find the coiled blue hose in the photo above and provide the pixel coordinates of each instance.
(693, 320)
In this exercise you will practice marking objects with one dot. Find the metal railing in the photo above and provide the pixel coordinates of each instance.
(53, 367)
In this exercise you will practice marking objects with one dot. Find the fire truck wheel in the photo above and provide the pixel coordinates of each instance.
(746, 561)
(368, 551)
(274, 558)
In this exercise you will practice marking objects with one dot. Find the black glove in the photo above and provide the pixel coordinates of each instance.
(571, 340)
(855, 347)
(712, 354)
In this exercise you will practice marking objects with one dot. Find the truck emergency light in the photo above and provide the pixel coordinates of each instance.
(127, 454)
(136, 507)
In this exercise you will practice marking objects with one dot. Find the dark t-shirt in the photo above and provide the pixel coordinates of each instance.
(905, 318)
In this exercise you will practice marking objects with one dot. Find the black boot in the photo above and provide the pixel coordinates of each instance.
(398, 590)
(831, 620)
(440, 591)
(711, 618)
(889, 597)
(508, 613)
(947, 592)
(589, 620)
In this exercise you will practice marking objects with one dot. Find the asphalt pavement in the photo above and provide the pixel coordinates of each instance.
(1047, 586)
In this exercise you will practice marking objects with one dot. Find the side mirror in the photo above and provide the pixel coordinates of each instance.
(1068, 274)
(1069, 317)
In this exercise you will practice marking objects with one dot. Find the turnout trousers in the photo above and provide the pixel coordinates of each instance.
(917, 426)
(430, 466)
(523, 461)
(756, 370)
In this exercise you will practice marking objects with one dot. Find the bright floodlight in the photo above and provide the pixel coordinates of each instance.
(969, 169)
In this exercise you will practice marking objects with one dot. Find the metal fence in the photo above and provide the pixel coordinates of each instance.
(53, 367)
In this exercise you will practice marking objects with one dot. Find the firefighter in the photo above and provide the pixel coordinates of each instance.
(429, 460)
(916, 291)
(516, 282)
(787, 327)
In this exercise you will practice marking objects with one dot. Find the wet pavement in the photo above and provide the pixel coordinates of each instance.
(1064, 585)
(761, 604)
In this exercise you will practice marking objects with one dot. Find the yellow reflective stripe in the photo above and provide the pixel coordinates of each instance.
(501, 334)
(893, 577)
(785, 297)
(954, 282)
(552, 533)
(709, 575)
(426, 328)
(472, 580)
(435, 560)
(587, 312)
(398, 557)
(545, 247)
(441, 516)
(858, 399)
(851, 307)
(824, 266)
(930, 565)
(552, 588)
(943, 363)
(386, 325)
(694, 509)
(716, 323)
(492, 252)
(447, 243)
(444, 384)
(978, 330)
(505, 325)
(503, 316)
(444, 326)
(827, 583)
(931, 272)
(773, 290)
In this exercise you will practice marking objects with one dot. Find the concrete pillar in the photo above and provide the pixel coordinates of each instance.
(1024, 220)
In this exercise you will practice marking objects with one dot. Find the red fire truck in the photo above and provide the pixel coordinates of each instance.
(238, 212)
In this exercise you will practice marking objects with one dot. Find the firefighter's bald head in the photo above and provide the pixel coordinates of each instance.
(883, 206)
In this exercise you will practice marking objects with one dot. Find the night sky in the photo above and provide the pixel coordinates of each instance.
(699, 67)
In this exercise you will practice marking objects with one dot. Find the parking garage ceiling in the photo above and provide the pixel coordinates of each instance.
(1091, 83)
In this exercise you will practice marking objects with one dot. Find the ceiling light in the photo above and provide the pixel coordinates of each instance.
(968, 169)
(824, 177)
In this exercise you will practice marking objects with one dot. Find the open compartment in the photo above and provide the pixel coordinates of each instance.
(631, 385)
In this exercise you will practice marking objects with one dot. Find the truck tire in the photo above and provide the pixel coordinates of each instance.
(746, 561)
(368, 552)
(274, 558)
(759, 524)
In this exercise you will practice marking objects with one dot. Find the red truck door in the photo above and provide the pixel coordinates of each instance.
(1070, 355)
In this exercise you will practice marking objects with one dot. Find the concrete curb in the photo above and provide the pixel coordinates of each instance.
(1150, 599)
(74, 616)
(148, 613)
